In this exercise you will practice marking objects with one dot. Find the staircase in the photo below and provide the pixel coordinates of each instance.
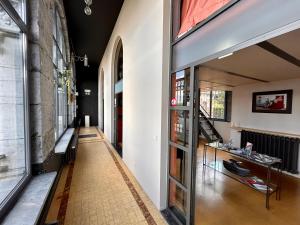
(206, 127)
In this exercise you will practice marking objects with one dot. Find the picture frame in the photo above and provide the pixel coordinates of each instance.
(272, 102)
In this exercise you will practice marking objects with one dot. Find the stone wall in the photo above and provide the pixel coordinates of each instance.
(42, 101)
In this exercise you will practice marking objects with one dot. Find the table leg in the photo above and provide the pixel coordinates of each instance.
(204, 155)
(280, 176)
(268, 188)
(215, 157)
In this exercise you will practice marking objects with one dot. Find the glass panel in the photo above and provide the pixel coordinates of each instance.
(178, 164)
(6, 23)
(54, 24)
(12, 126)
(177, 201)
(56, 104)
(63, 50)
(60, 62)
(59, 56)
(54, 54)
(18, 5)
(59, 32)
(180, 88)
(180, 127)
(205, 102)
(61, 107)
(65, 106)
(218, 105)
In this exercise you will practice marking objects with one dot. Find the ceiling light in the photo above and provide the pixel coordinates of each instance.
(87, 11)
(85, 60)
(88, 2)
(224, 56)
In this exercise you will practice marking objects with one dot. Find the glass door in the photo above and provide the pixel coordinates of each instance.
(181, 111)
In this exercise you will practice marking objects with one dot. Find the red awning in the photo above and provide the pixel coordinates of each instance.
(195, 11)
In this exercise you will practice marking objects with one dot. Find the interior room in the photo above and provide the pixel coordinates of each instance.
(248, 108)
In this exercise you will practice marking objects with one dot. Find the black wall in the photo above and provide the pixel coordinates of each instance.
(87, 78)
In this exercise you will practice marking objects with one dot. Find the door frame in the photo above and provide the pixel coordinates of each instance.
(193, 66)
(118, 46)
(190, 150)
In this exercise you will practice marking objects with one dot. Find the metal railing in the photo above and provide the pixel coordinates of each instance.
(207, 115)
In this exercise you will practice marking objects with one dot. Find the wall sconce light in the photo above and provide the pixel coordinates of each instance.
(83, 59)
(87, 9)
(87, 91)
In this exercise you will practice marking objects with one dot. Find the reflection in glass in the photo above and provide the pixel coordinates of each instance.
(60, 76)
(180, 127)
(62, 105)
(177, 201)
(218, 105)
(18, 6)
(178, 164)
(205, 101)
(12, 124)
(212, 104)
(180, 82)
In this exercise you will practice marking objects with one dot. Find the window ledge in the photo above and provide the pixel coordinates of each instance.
(28, 208)
(62, 145)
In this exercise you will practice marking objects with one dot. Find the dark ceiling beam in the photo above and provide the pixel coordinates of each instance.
(238, 75)
(217, 83)
(279, 52)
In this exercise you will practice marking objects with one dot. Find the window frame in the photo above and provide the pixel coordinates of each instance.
(225, 119)
(12, 197)
(176, 19)
(62, 53)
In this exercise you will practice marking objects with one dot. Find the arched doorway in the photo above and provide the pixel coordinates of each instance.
(118, 98)
(101, 100)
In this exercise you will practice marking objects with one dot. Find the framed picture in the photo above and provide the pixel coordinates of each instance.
(273, 102)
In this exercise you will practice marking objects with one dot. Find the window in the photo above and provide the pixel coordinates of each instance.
(218, 105)
(14, 132)
(180, 143)
(61, 77)
(215, 104)
(189, 15)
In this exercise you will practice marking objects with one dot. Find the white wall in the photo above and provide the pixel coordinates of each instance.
(242, 115)
(224, 130)
(140, 26)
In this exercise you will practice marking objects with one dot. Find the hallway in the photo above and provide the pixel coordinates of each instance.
(102, 190)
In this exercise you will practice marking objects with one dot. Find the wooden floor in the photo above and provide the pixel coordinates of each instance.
(221, 200)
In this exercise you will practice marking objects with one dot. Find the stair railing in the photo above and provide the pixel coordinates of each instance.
(207, 115)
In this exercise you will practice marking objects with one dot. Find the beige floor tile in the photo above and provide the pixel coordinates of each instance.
(98, 193)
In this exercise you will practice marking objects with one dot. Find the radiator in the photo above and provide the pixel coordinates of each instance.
(285, 148)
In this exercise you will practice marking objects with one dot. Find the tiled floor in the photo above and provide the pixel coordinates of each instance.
(102, 189)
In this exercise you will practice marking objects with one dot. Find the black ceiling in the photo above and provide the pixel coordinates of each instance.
(90, 34)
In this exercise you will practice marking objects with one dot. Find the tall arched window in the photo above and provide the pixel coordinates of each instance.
(60, 64)
(118, 103)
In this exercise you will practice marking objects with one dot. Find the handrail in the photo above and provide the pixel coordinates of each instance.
(207, 115)
(205, 112)
(211, 121)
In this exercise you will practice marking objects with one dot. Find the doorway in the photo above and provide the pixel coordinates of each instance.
(236, 187)
(102, 99)
(118, 99)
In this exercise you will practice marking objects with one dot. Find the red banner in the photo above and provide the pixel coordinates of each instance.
(195, 11)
